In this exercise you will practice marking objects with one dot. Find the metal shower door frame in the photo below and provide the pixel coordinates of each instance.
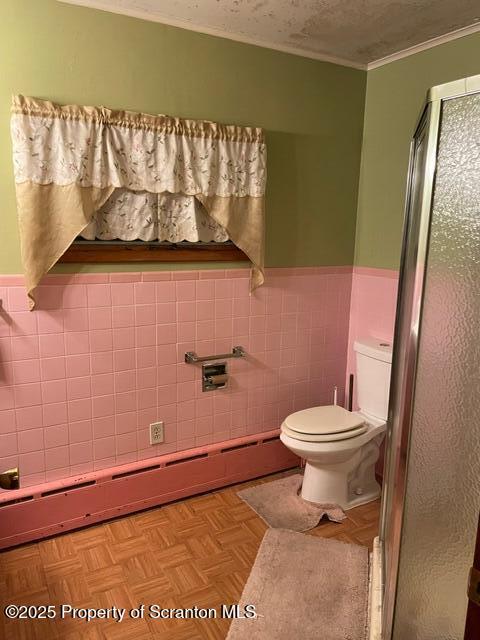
(407, 334)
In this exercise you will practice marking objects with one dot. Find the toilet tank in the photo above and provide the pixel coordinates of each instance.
(374, 362)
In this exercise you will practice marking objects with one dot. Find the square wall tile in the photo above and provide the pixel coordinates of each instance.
(74, 296)
(24, 347)
(8, 444)
(30, 441)
(25, 371)
(50, 321)
(23, 323)
(144, 293)
(123, 338)
(101, 362)
(17, 299)
(123, 316)
(100, 318)
(27, 395)
(77, 342)
(145, 314)
(81, 452)
(99, 295)
(77, 366)
(126, 422)
(185, 290)
(7, 421)
(55, 436)
(57, 458)
(52, 368)
(51, 345)
(32, 462)
(165, 291)
(124, 360)
(79, 409)
(122, 293)
(167, 334)
(75, 320)
(104, 448)
(145, 336)
(103, 384)
(78, 388)
(126, 443)
(166, 312)
(54, 413)
(146, 357)
(6, 349)
(103, 406)
(29, 417)
(103, 427)
(80, 431)
(101, 340)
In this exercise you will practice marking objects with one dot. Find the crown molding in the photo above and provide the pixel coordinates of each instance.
(220, 33)
(423, 46)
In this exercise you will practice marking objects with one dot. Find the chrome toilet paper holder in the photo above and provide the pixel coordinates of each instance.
(214, 376)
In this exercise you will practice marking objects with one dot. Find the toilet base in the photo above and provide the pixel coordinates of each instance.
(349, 483)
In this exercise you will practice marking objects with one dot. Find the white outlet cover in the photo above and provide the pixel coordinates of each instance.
(157, 433)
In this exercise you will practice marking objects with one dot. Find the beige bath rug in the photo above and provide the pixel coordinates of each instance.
(279, 504)
(305, 587)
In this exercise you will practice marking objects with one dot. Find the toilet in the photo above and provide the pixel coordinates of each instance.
(341, 447)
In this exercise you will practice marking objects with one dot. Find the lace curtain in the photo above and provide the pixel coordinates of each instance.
(141, 215)
(109, 174)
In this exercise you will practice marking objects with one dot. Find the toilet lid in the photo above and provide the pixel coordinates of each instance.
(325, 420)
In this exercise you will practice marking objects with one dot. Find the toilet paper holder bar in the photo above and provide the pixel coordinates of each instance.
(237, 352)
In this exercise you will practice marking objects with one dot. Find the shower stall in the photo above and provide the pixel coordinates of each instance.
(431, 500)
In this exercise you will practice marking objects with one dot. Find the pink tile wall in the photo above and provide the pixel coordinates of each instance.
(102, 356)
(373, 306)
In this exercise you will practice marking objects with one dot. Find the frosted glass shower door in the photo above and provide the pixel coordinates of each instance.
(442, 497)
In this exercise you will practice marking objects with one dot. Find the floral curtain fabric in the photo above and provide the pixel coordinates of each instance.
(141, 215)
(109, 174)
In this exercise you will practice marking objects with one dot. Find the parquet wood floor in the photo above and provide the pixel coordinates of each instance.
(197, 551)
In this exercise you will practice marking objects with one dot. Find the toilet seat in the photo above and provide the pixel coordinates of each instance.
(328, 423)
(326, 437)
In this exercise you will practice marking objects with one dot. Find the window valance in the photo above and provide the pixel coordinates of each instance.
(110, 174)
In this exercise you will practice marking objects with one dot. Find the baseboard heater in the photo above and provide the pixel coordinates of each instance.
(37, 512)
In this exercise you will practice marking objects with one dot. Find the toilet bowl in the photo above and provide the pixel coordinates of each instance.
(341, 447)
(340, 470)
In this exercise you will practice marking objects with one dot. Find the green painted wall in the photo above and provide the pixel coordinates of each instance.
(312, 111)
(395, 97)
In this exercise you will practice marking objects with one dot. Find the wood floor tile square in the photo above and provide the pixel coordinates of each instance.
(153, 590)
(140, 567)
(71, 589)
(104, 579)
(184, 578)
(97, 557)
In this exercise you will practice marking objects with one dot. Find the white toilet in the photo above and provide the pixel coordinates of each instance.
(341, 447)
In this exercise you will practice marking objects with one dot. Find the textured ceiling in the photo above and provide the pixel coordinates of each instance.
(356, 31)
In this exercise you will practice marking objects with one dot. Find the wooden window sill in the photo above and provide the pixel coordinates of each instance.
(122, 252)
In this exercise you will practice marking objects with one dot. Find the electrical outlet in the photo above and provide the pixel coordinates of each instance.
(156, 433)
